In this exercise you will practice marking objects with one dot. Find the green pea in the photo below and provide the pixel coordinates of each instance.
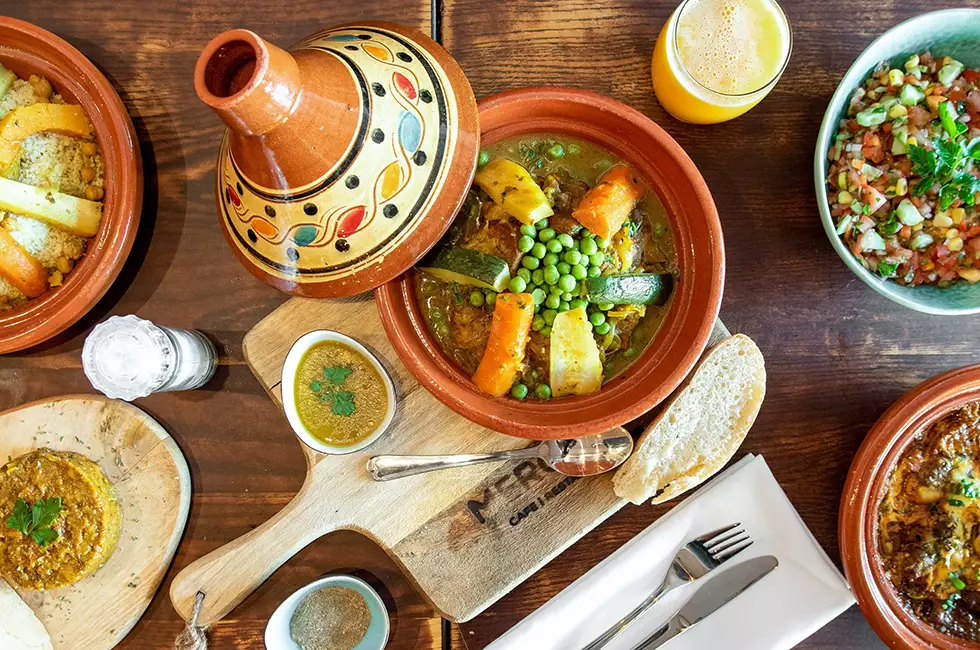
(538, 250)
(629, 352)
(574, 149)
(605, 306)
(578, 302)
(554, 247)
(538, 295)
(603, 329)
(564, 305)
(659, 230)
(543, 391)
(477, 299)
(566, 240)
(537, 277)
(482, 159)
(530, 262)
(525, 244)
(564, 268)
(597, 318)
(546, 235)
(567, 283)
(550, 259)
(517, 284)
(588, 246)
(490, 298)
(603, 165)
(566, 296)
(601, 242)
(549, 316)
(546, 331)
(597, 258)
(573, 257)
(442, 329)
(518, 391)
(530, 231)
(594, 271)
(579, 272)
(551, 274)
(556, 151)
(525, 274)
(552, 301)
(537, 323)
(541, 224)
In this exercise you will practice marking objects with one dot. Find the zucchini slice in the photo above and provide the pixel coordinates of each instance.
(631, 288)
(7, 77)
(469, 267)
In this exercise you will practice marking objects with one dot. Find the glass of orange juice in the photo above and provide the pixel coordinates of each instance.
(716, 59)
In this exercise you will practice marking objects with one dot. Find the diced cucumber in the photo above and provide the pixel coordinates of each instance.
(630, 289)
(873, 242)
(872, 116)
(871, 172)
(7, 77)
(949, 73)
(911, 95)
(901, 136)
(469, 267)
(908, 213)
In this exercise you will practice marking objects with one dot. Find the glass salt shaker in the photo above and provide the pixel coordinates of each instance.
(127, 357)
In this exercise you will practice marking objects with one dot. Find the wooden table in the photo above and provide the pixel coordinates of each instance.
(837, 353)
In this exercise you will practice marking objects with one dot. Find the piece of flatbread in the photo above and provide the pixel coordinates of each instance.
(701, 427)
(19, 627)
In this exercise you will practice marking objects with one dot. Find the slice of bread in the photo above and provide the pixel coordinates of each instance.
(701, 427)
(19, 627)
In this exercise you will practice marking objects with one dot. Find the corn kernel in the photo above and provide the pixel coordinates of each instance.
(970, 275)
(946, 60)
(955, 244)
(952, 232)
(897, 111)
(942, 220)
(901, 187)
(845, 197)
(917, 227)
(842, 180)
(896, 77)
(913, 62)
(957, 215)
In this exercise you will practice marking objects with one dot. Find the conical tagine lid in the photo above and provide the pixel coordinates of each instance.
(345, 158)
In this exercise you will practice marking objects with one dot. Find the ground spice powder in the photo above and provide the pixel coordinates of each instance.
(332, 618)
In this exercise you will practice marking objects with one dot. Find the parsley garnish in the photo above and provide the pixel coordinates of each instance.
(887, 269)
(969, 489)
(36, 521)
(954, 502)
(947, 164)
(341, 401)
(950, 602)
(337, 374)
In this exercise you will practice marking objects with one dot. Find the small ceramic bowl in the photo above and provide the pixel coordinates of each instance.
(277, 635)
(289, 367)
(694, 306)
(865, 486)
(27, 50)
(952, 32)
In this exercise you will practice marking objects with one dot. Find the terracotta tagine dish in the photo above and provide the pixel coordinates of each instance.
(661, 366)
(345, 157)
(867, 484)
(29, 50)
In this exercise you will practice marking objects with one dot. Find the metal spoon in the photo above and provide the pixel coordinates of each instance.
(575, 457)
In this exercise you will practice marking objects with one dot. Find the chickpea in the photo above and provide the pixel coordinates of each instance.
(42, 87)
(88, 174)
(94, 193)
(64, 264)
(89, 148)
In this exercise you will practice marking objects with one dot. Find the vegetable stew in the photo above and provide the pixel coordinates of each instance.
(555, 275)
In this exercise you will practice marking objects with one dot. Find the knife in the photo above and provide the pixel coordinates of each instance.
(710, 598)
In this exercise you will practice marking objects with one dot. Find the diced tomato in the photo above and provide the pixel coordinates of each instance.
(871, 148)
(905, 232)
(919, 116)
(887, 126)
(971, 75)
(853, 126)
(973, 101)
(973, 232)
(956, 95)
(941, 251)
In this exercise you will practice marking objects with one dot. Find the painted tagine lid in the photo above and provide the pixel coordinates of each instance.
(345, 158)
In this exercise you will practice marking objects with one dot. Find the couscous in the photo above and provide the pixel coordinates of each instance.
(45, 230)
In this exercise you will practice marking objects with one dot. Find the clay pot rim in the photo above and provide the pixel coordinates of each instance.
(863, 489)
(200, 68)
(57, 309)
(685, 332)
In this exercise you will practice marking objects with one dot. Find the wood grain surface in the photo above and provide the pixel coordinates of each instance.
(837, 353)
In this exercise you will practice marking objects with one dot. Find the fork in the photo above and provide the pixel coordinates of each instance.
(694, 560)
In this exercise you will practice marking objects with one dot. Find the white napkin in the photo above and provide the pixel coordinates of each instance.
(804, 593)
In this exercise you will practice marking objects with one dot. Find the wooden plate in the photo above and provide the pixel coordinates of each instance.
(154, 488)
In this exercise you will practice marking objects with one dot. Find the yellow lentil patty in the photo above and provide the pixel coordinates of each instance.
(88, 525)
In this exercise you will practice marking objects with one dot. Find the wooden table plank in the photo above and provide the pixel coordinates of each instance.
(837, 353)
(245, 461)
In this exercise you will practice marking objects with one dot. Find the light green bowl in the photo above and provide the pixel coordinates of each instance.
(952, 32)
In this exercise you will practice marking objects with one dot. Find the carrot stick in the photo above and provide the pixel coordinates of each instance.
(20, 268)
(605, 207)
(509, 333)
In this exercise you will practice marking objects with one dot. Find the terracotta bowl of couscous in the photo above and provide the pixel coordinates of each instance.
(71, 184)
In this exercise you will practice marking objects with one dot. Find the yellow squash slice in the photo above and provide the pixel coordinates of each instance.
(576, 368)
(78, 216)
(25, 121)
(512, 188)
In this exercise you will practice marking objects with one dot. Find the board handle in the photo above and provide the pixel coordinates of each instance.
(228, 575)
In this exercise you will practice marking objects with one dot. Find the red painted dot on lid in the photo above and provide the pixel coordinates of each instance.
(350, 221)
(404, 85)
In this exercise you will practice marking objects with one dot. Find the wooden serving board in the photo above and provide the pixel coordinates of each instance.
(154, 489)
(465, 536)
